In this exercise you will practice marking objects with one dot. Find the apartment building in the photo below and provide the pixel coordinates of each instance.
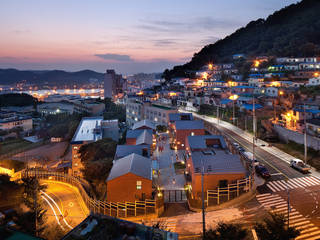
(91, 129)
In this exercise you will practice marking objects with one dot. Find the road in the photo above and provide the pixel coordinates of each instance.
(64, 205)
(303, 189)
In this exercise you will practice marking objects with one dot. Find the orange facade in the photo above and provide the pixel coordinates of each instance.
(129, 188)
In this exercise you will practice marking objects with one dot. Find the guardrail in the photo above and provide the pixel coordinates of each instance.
(118, 209)
(232, 191)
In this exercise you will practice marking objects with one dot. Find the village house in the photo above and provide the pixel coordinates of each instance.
(130, 179)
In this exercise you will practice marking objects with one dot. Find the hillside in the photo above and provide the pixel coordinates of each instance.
(54, 77)
(292, 31)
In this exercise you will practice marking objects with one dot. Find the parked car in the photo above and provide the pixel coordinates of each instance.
(236, 145)
(299, 165)
(241, 149)
(262, 171)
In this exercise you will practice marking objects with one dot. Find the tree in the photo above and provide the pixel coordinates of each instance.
(32, 220)
(275, 228)
(226, 231)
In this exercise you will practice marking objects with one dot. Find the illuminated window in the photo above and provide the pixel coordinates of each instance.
(139, 184)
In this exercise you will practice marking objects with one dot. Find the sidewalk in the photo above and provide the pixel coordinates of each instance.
(168, 179)
(249, 137)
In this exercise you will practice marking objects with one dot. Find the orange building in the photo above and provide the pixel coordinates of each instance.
(130, 179)
(209, 154)
(183, 129)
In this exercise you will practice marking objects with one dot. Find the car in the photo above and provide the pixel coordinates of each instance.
(299, 165)
(241, 149)
(262, 171)
(235, 144)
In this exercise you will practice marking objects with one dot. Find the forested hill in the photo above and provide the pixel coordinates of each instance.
(54, 77)
(292, 31)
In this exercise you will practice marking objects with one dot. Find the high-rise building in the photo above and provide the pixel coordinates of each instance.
(113, 84)
(109, 79)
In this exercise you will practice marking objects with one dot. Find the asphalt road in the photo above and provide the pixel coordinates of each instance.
(63, 204)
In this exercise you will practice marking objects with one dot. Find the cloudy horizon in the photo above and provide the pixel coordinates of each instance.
(130, 37)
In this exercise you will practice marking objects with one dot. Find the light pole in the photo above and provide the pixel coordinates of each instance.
(233, 98)
(305, 135)
(254, 132)
(202, 196)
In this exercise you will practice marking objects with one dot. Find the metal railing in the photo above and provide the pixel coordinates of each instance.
(114, 209)
(232, 191)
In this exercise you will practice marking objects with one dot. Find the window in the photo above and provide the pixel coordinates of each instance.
(223, 183)
(139, 184)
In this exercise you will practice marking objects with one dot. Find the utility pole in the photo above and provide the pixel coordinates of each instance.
(203, 210)
(288, 202)
(254, 135)
(233, 117)
(305, 135)
(218, 114)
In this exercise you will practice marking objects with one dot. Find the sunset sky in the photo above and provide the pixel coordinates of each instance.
(129, 35)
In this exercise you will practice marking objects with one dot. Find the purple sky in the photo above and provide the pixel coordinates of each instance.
(130, 36)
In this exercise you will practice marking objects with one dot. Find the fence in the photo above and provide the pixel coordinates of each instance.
(121, 210)
(216, 197)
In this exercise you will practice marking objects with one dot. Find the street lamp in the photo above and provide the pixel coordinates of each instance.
(233, 98)
(202, 196)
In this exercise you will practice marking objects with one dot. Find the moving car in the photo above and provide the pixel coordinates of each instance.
(299, 165)
(262, 171)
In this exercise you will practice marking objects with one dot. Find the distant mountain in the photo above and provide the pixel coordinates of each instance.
(292, 31)
(54, 77)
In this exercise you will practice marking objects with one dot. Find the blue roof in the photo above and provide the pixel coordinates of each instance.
(137, 133)
(180, 116)
(225, 101)
(125, 150)
(199, 141)
(196, 124)
(250, 106)
(313, 111)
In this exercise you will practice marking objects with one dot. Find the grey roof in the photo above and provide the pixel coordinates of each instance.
(142, 123)
(196, 124)
(180, 116)
(144, 138)
(136, 133)
(199, 142)
(133, 163)
(125, 150)
(217, 163)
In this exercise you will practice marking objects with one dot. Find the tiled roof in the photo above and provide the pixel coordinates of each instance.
(133, 163)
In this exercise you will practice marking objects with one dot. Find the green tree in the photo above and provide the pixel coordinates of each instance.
(226, 231)
(32, 220)
(275, 228)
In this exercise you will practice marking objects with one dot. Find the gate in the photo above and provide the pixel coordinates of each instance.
(171, 196)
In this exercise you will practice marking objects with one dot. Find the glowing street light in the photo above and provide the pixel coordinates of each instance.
(316, 74)
(233, 98)
(210, 66)
(205, 75)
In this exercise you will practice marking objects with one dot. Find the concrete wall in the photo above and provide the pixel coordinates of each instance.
(288, 135)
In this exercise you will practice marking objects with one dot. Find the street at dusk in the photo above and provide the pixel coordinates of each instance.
(160, 120)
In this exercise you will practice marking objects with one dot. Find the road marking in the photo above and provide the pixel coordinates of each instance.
(281, 185)
(276, 204)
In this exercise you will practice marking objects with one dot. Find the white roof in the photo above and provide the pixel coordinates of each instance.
(85, 129)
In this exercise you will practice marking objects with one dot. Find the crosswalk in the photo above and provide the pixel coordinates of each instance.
(302, 182)
(276, 204)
